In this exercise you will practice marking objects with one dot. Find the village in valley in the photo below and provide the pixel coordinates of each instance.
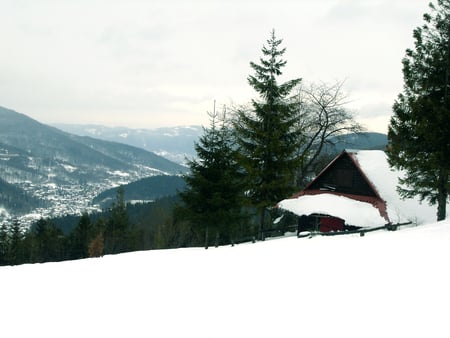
(61, 200)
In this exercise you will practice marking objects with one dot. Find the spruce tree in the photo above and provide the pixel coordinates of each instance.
(81, 237)
(419, 129)
(266, 134)
(16, 252)
(212, 200)
(117, 232)
(4, 244)
(49, 241)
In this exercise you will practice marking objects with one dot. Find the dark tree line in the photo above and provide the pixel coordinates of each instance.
(44, 242)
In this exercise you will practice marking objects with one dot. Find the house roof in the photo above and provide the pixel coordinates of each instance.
(382, 199)
(352, 156)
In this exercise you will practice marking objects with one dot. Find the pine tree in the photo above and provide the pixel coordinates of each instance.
(419, 130)
(212, 200)
(4, 244)
(117, 232)
(81, 237)
(266, 134)
(48, 241)
(16, 254)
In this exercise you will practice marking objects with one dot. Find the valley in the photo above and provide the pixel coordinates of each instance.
(45, 172)
(68, 199)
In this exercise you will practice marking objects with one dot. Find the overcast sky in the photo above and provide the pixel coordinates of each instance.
(158, 63)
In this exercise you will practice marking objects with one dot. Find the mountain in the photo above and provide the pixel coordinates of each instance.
(35, 147)
(146, 189)
(177, 143)
(17, 199)
(173, 143)
(53, 165)
(361, 141)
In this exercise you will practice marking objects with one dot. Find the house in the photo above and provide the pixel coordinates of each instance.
(358, 189)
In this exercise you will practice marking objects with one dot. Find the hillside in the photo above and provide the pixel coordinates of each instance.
(361, 141)
(14, 198)
(149, 188)
(173, 143)
(49, 164)
(38, 148)
(385, 284)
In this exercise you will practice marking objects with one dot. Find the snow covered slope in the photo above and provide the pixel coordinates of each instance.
(385, 284)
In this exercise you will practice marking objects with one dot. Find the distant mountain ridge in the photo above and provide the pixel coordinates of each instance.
(33, 154)
(173, 143)
(73, 157)
(177, 143)
(361, 141)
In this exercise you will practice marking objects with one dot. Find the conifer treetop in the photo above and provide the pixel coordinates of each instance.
(264, 80)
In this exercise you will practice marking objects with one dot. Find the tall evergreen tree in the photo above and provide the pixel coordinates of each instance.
(212, 200)
(4, 244)
(16, 252)
(117, 232)
(81, 237)
(49, 242)
(266, 134)
(419, 130)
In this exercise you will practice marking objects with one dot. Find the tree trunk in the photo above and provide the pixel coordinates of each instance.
(216, 244)
(206, 237)
(442, 194)
(261, 224)
(442, 206)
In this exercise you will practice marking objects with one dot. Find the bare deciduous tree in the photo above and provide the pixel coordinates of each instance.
(322, 116)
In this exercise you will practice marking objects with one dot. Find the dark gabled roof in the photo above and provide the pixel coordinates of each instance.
(343, 175)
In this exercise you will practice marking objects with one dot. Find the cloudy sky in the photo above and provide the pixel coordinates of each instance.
(159, 63)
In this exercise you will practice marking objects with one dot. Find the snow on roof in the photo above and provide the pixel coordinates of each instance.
(353, 212)
(374, 165)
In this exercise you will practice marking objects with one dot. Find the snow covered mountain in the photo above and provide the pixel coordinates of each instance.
(63, 169)
(385, 284)
(177, 143)
(173, 143)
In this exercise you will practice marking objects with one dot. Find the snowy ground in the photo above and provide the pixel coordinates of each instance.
(385, 284)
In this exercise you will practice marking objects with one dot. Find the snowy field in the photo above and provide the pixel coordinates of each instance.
(385, 284)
